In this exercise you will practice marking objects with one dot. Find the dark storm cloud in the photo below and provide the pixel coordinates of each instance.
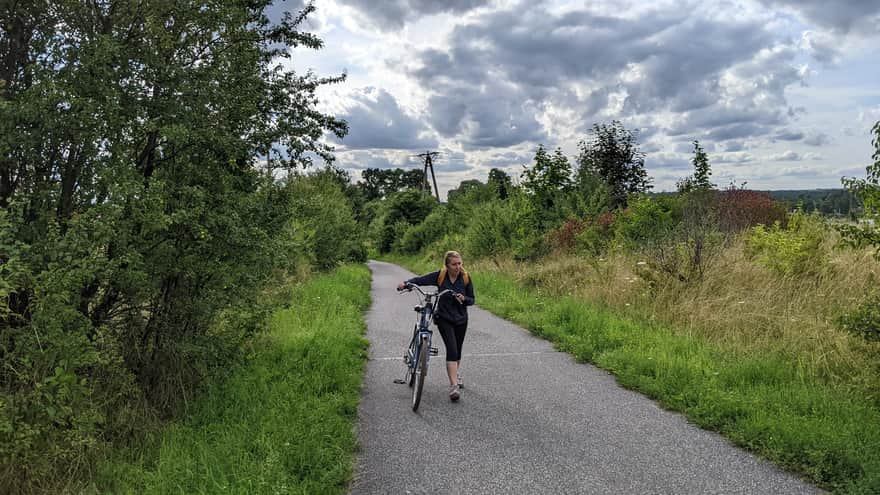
(375, 120)
(840, 15)
(725, 79)
(393, 14)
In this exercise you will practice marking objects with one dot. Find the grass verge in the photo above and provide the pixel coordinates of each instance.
(282, 422)
(760, 400)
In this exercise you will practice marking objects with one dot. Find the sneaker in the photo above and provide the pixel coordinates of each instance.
(460, 383)
(454, 393)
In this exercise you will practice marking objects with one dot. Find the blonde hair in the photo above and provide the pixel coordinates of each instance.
(449, 255)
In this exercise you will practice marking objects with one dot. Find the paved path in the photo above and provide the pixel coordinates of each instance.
(530, 420)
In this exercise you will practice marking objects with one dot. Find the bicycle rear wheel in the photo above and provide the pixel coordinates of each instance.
(421, 373)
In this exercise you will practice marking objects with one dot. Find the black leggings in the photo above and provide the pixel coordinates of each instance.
(453, 338)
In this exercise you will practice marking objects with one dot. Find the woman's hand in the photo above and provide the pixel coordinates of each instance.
(401, 286)
(459, 298)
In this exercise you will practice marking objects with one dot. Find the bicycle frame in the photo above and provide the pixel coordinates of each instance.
(419, 351)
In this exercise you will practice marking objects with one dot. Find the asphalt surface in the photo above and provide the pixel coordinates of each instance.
(530, 420)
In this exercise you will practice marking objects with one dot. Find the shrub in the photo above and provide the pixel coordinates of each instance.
(863, 320)
(320, 208)
(500, 227)
(739, 209)
(400, 211)
(796, 250)
(564, 238)
(419, 236)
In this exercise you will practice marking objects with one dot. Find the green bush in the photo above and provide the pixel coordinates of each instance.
(395, 216)
(863, 320)
(648, 221)
(792, 251)
(323, 214)
(436, 224)
(500, 227)
(597, 236)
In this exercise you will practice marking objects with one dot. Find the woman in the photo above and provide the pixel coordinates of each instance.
(451, 314)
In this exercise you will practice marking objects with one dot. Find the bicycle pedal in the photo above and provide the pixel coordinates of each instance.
(434, 351)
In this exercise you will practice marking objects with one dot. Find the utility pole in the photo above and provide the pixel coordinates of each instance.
(429, 165)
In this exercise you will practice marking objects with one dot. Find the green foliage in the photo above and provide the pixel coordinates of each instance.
(398, 213)
(322, 217)
(591, 196)
(792, 251)
(501, 227)
(598, 235)
(435, 226)
(547, 183)
(649, 221)
(281, 421)
(863, 320)
(470, 193)
(137, 234)
(500, 183)
(612, 153)
(868, 192)
(651, 226)
(378, 183)
(702, 171)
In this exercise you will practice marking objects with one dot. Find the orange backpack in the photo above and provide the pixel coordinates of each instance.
(442, 277)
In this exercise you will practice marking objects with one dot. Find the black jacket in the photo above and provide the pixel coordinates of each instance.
(448, 307)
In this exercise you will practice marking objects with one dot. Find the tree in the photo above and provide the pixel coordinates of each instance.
(379, 183)
(500, 182)
(547, 183)
(702, 171)
(612, 153)
(137, 236)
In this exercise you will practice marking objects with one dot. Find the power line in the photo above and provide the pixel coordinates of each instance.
(428, 157)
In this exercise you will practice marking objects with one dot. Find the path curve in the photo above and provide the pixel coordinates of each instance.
(530, 420)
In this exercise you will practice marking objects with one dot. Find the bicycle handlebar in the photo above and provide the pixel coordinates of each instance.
(409, 287)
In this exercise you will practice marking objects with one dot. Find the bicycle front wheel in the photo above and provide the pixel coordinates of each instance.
(420, 374)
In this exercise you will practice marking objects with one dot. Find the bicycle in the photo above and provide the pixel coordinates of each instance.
(419, 351)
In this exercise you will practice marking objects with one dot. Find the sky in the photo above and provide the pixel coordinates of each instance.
(782, 94)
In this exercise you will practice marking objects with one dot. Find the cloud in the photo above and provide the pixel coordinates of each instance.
(734, 146)
(667, 161)
(504, 70)
(812, 137)
(817, 139)
(393, 14)
(842, 16)
(823, 47)
(363, 159)
(788, 135)
(792, 156)
(376, 121)
(734, 158)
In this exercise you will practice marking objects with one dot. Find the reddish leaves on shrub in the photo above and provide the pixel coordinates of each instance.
(740, 208)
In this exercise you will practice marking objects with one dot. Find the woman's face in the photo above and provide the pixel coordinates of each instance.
(454, 266)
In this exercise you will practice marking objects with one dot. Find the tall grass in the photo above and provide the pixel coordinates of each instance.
(282, 422)
(747, 353)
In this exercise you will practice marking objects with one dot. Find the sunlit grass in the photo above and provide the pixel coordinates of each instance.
(283, 422)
